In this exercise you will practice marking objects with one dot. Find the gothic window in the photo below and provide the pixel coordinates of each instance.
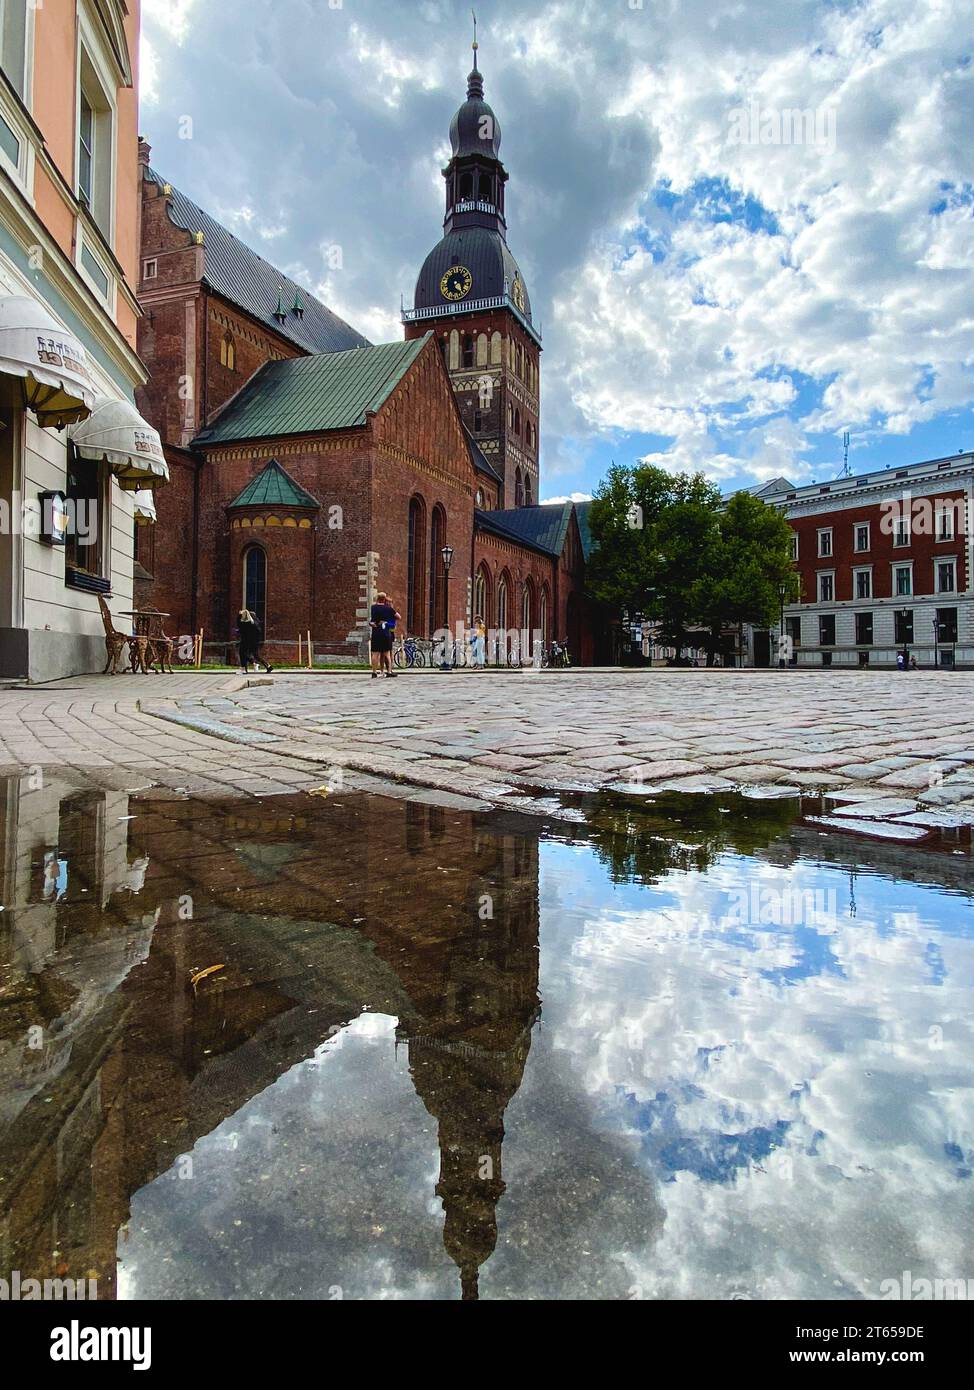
(527, 605)
(454, 350)
(518, 489)
(468, 350)
(466, 185)
(478, 421)
(519, 360)
(481, 595)
(228, 352)
(255, 583)
(416, 566)
(496, 349)
(528, 496)
(517, 422)
(543, 614)
(437, 607)
(482, 350)
(485, 188)
(503, 590)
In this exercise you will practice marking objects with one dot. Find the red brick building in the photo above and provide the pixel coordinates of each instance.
(886, 563)
(310, 468)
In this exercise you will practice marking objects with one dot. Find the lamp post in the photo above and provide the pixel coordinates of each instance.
(782, 590)
(936, 643)
(904, 615)
(449, 659)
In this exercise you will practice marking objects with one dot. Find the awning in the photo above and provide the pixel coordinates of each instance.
(115, 431)
(52, 364)
(145, 507)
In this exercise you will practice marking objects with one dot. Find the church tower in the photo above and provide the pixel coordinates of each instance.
(472, 294)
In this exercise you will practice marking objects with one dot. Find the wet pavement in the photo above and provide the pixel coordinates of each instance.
(351, 1046)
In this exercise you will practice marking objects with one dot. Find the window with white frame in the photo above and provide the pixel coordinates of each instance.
(794, 545)
(826, 586)
(945, 524)
(861, 536)
(96, 145)
(863, 582)
(14, 16)
(150, 269)
(901, 530)
(902, 580)
(825, 541)
(946, 576)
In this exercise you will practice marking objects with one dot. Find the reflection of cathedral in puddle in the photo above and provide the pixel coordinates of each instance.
(112, 1063)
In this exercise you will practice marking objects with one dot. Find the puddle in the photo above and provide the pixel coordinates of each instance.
(364, 1048)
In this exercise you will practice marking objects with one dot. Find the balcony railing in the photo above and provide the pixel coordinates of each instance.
(471, 306)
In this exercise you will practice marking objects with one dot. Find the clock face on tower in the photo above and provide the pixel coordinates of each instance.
(456, 282)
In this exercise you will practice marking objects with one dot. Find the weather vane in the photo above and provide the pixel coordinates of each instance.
(476, 45)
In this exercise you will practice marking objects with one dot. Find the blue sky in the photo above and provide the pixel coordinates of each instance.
(744, 229)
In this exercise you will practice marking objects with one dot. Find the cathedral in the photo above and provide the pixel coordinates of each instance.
(310, 469)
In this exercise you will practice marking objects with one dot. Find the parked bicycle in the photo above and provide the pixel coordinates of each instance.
(556, 656)
(411, 653)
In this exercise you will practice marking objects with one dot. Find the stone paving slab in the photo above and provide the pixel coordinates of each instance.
(494, 740)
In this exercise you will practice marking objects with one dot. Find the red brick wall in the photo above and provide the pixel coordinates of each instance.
(171, 588)
(882, 554)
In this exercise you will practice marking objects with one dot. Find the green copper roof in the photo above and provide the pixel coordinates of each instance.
(274, 487)
(305, 395)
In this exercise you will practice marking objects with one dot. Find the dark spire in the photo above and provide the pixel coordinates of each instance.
(475, 83)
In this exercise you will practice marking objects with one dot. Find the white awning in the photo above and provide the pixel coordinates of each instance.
(145, 507)
(52, 363)
(115, 431)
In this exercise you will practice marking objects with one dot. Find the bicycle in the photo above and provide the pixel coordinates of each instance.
(410, 653)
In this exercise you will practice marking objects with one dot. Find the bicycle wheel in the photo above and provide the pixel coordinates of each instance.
(397, 657)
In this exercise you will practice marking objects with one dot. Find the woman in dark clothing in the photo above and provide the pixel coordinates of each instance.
(249, 636)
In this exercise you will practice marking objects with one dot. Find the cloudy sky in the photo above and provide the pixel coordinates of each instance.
(719, 284)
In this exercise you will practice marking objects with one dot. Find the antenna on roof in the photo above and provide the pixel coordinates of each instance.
(846, 470)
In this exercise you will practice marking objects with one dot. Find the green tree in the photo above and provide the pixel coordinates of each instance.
(753, 560)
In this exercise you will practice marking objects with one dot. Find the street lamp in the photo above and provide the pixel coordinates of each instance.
(782, 590)
(936, 643)
(446, 555)
(904, 618)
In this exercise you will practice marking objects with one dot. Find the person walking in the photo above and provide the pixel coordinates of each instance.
(249, 637)
(382, 623)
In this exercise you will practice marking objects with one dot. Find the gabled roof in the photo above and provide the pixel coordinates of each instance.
(307, 395)
(480, 460)
(542, 528)
(771, 487)
(274, 487)
(254, 285)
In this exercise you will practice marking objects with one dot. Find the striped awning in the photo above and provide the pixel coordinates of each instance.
(51, 363)
(116, 432)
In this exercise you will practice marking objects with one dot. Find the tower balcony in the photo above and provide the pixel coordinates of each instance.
(471, 306)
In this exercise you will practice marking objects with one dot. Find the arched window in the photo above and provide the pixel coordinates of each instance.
(416, 567)
(496, 348)
(228, 352)
(468, 350)
(255, 583)
(437, 595)
(480, 497)
(503, 590)
(466, 185)
(481, 595)
(482, 349)
(486, 192)
(543, 614)
(528, 492)
(527, 606)
(454, 349)
(517, 421)
(519, 360)
(518, 488)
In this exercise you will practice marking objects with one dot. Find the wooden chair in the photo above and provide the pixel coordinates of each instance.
(115, 641)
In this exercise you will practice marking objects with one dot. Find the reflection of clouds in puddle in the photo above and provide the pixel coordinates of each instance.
(796, 1118)
(320, 1183)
